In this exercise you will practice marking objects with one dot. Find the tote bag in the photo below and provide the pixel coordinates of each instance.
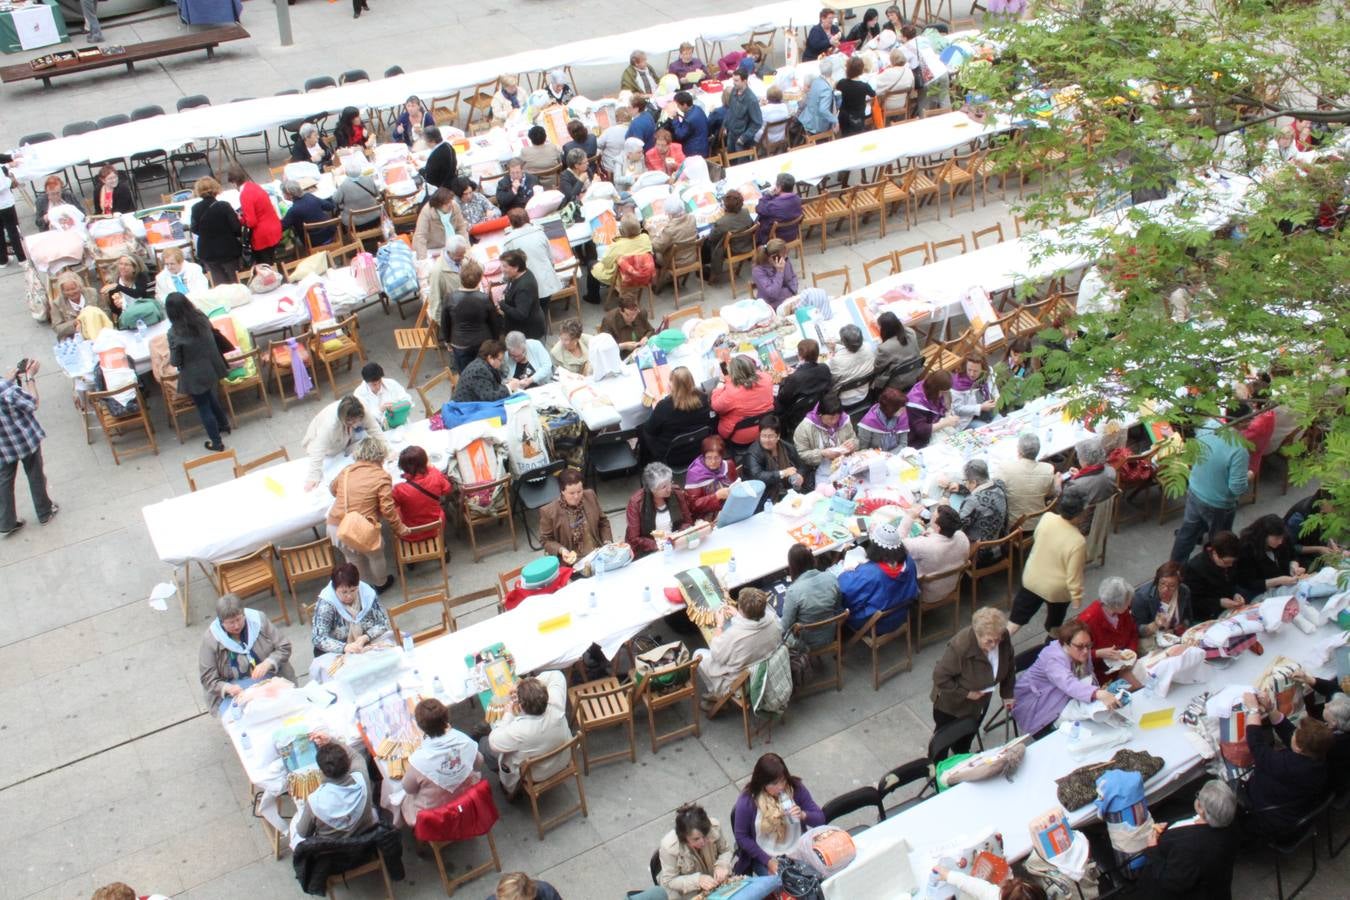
(356, 530)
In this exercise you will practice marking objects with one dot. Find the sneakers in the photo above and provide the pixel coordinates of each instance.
(17, 525)
(49, 516)
(214, 448)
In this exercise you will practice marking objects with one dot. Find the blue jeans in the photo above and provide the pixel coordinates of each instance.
(212, 415)
(463, 357)
(1200, 522)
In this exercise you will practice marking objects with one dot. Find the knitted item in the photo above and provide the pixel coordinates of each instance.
(1079, 788)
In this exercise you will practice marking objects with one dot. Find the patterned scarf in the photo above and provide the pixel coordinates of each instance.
(772, 820)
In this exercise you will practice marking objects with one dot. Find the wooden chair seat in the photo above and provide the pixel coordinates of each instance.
(252, 574)
(119, 426)
(209, 459)
(177, 405)
(342, 342)
(247, 383)
(654, 701)
(874, 642)
(835, 648)
(305, 563)
(824, 209)
(429, 546)
(597, 705)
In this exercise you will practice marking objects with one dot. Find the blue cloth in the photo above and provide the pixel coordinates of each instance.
(691, 132)
(453, 413)
(868, 590)
(644, 127)
(210, 12)
(817, 113)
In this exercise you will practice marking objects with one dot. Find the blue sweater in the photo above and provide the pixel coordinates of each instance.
(868, 590)
(691, 132)
(1220, 478)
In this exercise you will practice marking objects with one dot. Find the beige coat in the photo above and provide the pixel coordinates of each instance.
(64, 319)
(518, 737)
(681, 867)
(1054, 570)
(1029, 484)
(933, 553)
(327, 437)
(429, 233)
(740, 645)
(365, 488)
(213, 660)
(678, 231)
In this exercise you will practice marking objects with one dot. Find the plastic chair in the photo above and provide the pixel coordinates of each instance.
(903, 776)
(853, 801)
(1303, 832)
(609, 454)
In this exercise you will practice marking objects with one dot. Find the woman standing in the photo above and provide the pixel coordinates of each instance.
(364, 487)
(978, 660)
(854, 94)
(217, 228)
(469, 319)
(770, 815)
(194, 349)
(574, 524)
(258, 215)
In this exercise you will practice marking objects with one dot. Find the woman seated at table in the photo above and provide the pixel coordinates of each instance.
(557, 88)
(414, 117)
(887, 583)
(540, 157)
(695, 858)
(826, 434)
(71, 297)
(886, 425)
(112, 196)
(683, 411)
(655, 510)
(744, 393)
(365, 487)
(482, 380)
(928, 408)
(310, 147)
(775, 280)
(974, 393)
(1286, 782)
(307, 208)
(576, 177)
(776, 463)
(1062, 672)
(342, 805)
(177, 275)
(665, 155)
(574, 524)
(1163, 604)
(581, 139)
(1211, 577)
(357, 192)
(816, 112)
(1112, 628)
(735, 219)
(813, 596)
(572, 349)
(347, 619)
(474, 205)
(1267, 558)
(708, 482)
(54, 193)
(350, 130)
(241, 646)
(421, 495)
(507, 100)
(895, 82)
(899, 356)
(633, 162)
(1092, 479)
(131, 283)
(631, 240)
(445, 765)
(743, 636)
(687, 67)
(628, 325)
(766, 827)
(469, 318)
(439, 217)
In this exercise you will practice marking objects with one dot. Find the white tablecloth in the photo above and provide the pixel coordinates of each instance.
(1007, 806)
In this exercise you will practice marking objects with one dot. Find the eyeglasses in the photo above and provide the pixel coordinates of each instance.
(1078, 646)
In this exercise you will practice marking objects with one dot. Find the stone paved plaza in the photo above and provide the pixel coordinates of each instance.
(113, 770)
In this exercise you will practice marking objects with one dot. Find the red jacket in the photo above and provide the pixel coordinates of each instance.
(657, 163)
(703, 497)
(256, 211)
(641, 518)
(732, 403)
(1123, 636)
(1259, 431)
(414, 506)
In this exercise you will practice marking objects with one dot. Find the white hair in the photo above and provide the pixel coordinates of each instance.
(988, 621)
(1218, 803)
(292, 189)
(674, 207)
(308, 128)
(456, 244)
(977, 470)
(229, 605)
(353, 164)
(1115, 593)
(655, 475)
(515, 340)
(1337, 713)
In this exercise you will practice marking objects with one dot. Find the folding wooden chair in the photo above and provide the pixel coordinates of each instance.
(445, 625)
(735, 260)
(252, 574)
(994, 231)
(279, 360)
(685, 675)
(598, 705)
(978, 571)
(887, 262)
(415, 342)
(427, 545)
(793, 246)
(818, 277)
(304, 563)
(425, 388)
(536, 788)
(835, 648)
(177, 405)
(119, 426)
(874, 642)
(953, 598)
(922, 251)
(738, 695)
(244, 468)
(935, 248)
(209, 459)
(474, 518)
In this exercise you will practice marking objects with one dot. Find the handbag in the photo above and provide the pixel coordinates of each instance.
(245, 246)
(672, 654)
(637, 269)
(356, 530)
(265, 278)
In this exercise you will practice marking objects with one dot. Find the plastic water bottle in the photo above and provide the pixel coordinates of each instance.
(236, 711)
(140, 329)
(1050, 438)
(592, 601)
(785, 801)
(1076, 733)
(244, 741)
(668, 552)
(731, 565)
(407, 643)
(768, 506)
(436, 687)
(646, 594)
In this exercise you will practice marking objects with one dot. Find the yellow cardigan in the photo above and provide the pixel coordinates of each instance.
(609, 264)
(1054, 571)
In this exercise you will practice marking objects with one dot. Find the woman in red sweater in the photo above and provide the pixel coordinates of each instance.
(257, 213)
(1111, 624)
(421, 494)
(745, 392)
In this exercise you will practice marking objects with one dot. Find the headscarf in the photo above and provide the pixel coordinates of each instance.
(830, 433)
(875, 421)
(339, 805)
(699, 474)
(919, 400)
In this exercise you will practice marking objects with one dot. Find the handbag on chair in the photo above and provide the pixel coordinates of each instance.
(356, 530)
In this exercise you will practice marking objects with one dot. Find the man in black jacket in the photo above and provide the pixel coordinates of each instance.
(441, 166)
(515, 188)
(1194, 858)
(520, 307)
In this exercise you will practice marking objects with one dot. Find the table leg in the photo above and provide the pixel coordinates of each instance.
(131, 66)
(211, 52)
(187, 580)
(46, 82)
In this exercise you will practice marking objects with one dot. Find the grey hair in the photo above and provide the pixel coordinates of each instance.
(371, 449)
(575, 157)
(515, 340)
(655, 475)
(635, 56)
(306, 129)
(515, 161)
(852, 337)
(1337, 713)
(1090, 452)
(1028, 445)
(557, 76)
(988, 621)
(977, 470)
(229, 605)
(291, 189)
(1217, 803)
(674, 207)
(1115, 593)
(809, 76)
(456, 244)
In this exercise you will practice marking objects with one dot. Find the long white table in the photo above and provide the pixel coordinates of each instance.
(1008, 806)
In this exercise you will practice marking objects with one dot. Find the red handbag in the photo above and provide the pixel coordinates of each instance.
(637, 270)
(469, 815)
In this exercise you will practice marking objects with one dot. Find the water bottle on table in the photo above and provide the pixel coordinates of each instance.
(667, 552)
(140, 329)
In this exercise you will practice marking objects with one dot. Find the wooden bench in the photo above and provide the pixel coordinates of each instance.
(206, 39)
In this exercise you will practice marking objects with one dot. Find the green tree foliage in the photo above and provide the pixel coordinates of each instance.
(1149, 96)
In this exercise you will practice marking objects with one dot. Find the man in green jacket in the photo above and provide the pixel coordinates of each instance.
(1217, 481)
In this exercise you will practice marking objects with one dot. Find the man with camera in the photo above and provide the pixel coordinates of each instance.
(21, 442)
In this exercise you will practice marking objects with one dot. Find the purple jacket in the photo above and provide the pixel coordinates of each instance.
(1046, 688)
(777, 208)
(743, 814)
(772, 286)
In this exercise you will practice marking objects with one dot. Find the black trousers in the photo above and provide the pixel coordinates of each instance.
(941, 718)
(9, 234)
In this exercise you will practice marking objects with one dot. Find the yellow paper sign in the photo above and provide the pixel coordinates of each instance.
(713, 557)
(274, 486)
(1158, 718)
(868, 148)
(555, 623)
